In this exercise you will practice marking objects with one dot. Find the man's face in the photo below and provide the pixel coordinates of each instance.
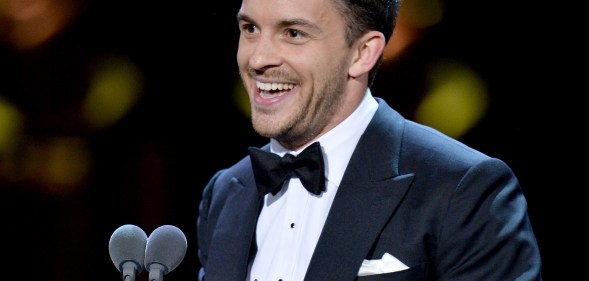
(293, 60)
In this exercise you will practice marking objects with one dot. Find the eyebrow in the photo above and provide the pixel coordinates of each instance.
(298, 22)
(284, 23)
(242, 17)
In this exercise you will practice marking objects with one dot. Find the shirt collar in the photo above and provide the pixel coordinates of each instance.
(339, 143)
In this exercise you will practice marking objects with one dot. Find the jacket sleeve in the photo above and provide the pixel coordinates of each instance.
(202, 225)
(487, 234)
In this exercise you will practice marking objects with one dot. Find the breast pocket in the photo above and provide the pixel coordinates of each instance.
(416, 273)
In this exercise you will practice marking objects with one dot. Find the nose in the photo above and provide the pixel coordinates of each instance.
(265, 54)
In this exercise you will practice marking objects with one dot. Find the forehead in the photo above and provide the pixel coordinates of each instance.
(273, 11)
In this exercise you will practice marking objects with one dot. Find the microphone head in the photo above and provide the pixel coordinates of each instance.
(166, 245)
(127, 243)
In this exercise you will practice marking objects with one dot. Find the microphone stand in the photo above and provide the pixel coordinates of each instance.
(156, 272)
(129, 271)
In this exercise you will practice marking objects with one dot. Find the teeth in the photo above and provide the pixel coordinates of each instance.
(274, 86)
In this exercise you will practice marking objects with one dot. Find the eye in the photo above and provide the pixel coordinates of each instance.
(295, 36)
(293, 33)
(249, 28)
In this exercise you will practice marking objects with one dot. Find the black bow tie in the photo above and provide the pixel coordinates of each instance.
(272, 170)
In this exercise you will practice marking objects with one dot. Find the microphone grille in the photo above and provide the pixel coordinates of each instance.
(166, 245)
(127, 243)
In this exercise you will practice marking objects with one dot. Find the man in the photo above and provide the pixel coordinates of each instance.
(396, 200)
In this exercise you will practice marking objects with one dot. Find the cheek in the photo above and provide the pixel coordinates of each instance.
(243, 52)
(241, 57)
(329, 58)
(324, 67)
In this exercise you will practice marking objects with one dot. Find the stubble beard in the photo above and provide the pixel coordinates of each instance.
(310, 119)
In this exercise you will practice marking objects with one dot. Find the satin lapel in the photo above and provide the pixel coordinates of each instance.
(367, 197)
(233, 237)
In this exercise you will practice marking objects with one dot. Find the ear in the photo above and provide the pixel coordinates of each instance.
(368, 50)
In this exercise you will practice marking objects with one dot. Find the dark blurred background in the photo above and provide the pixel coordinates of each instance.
(119, 112)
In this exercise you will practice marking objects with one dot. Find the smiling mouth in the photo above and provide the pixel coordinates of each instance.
(271, 90)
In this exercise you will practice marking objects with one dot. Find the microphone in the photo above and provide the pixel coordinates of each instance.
(127, 250)
(166, 247)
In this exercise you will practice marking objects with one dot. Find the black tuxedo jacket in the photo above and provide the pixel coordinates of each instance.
(445, 210)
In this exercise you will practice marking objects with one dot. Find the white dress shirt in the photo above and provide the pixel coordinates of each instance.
(291, 221)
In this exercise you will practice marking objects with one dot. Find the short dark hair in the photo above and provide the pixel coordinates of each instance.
(362, 16)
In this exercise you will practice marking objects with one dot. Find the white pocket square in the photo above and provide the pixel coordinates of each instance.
(387, 264)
